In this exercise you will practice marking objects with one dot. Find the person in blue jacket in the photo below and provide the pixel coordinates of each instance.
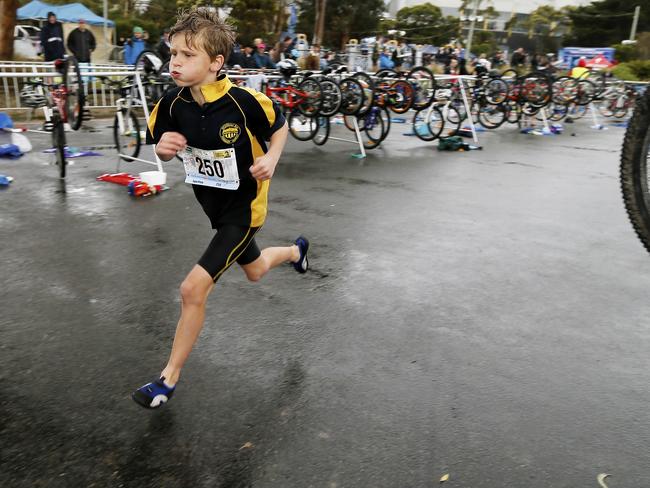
(263, 60)
(134, 46)
(385, 62)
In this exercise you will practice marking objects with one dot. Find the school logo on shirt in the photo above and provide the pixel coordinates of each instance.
(229, 132)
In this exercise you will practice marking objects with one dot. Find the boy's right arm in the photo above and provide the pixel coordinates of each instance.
(170, 143)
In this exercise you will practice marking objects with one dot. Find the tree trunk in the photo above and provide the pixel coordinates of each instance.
(319, 22)
(280, 19)
(7, 23)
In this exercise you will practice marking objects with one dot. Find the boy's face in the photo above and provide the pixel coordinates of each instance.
(191, 66)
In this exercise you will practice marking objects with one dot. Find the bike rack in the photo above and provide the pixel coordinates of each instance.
(461, 79)
(90, 73)
(357, 132)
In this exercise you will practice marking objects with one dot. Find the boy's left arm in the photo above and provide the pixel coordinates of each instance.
(264, 166)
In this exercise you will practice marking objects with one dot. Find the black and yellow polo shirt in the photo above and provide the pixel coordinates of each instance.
(232, 117)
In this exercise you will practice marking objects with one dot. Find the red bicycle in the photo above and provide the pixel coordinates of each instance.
(65, 102)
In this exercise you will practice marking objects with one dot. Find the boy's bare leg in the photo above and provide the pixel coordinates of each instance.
(194, 293)
(270, 258)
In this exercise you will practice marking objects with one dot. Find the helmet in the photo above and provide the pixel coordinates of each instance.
(288, 67)
(29, 97)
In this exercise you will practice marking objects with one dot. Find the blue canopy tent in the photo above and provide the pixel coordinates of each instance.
(69, 15)
(72, 12)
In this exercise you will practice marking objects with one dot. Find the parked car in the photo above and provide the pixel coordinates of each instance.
(27, 42)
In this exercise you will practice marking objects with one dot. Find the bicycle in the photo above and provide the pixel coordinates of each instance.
(634, 170)
(126, 126)
(65, 104)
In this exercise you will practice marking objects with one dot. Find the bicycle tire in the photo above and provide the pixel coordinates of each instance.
(368, 91)
(491, 116)
(369, 135)
(332, 97)
(310, 106)
(127, 143)
(75, 96)
(424, 87)
(453, 117)
(352, 96)
(405, 96)
(58, 142)
(322, 131)
(297, 121)
(585, 92)
(496, 91)
(634, 170)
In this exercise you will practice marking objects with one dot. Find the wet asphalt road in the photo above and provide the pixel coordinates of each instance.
(482, 314)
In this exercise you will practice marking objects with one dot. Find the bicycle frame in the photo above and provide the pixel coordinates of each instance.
(286, 95)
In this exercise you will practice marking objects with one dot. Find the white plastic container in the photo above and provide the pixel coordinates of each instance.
(153, 178)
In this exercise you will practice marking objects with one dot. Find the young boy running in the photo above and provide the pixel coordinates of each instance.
(219, 130)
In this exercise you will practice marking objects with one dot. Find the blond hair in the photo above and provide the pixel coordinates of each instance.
(203, 29)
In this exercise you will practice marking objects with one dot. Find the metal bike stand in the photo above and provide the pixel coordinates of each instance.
(357, 132)
(461, 82)
(545, 121)
(597, 124)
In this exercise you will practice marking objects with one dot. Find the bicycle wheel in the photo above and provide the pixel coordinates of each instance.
(424, 87)
(311, 93)
(331, 97)
(352, 96)
(536, 89)
(75, 96)
(428, 124)
(400, 96)
(368, 91)
(126, 134)
(420, 125)
(585, 92)
(373, 131)
(491, 116)
(322, 131)
(564, 89)
(634, 170)
(453, 118)
(496, 91)
(58, 142)
(301, 126)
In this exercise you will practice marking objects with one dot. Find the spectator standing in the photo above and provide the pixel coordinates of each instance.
(283, 50)
(52, 38)
(134, 46)
(81, 42)
(518, 58)
(244, 58)
(262, 60)
(164, 46)
(385, 62)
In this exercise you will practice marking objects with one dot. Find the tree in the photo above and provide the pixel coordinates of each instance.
(424, 24)
(344, 19)
(7, 23)
(606, 22)
(547, 24)
(255, 18)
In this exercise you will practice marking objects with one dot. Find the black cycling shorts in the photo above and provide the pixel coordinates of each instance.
(231, 244)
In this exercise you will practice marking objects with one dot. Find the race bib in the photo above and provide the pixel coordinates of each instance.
(216, 168)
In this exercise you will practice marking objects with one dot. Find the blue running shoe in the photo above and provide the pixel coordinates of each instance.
(153, 395)
(302, 265)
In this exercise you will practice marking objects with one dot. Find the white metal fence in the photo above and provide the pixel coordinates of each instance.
(98, 94)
